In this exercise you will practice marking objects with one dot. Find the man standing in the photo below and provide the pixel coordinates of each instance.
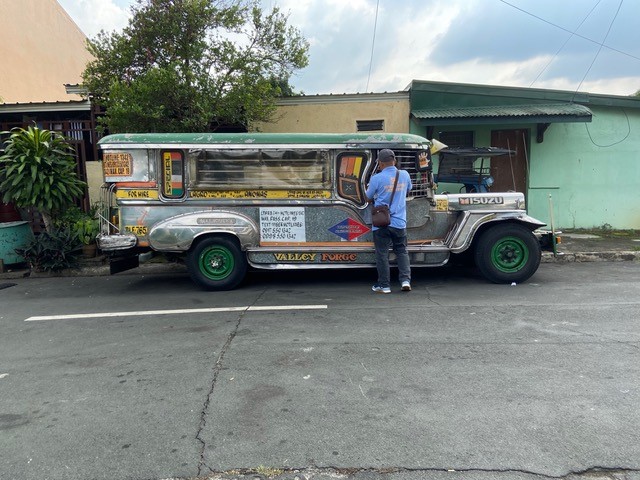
(395, 235)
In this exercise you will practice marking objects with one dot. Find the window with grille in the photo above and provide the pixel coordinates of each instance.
(456, 139)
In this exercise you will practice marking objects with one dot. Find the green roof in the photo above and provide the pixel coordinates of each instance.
(250, 139)
(530, 113)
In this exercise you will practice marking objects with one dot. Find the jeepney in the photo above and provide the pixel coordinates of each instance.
(229, 202)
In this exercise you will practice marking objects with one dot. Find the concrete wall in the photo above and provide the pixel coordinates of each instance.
(95, 181)
(338, 113)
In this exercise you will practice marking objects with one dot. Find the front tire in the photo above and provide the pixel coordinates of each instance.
(216, 263)
(507, 253)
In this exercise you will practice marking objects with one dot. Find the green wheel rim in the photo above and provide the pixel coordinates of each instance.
(509, 254)
(216, 263)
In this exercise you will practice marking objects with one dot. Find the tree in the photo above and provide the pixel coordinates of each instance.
(38, 170)
(193, 65)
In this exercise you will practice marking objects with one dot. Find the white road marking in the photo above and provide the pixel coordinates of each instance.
(175, 312)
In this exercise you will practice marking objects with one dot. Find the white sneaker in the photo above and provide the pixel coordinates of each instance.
(406, 286)
(378, 289)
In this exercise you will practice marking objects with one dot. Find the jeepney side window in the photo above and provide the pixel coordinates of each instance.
(269, 168)
(351, 167)
(297, 169)
(221, 169)
(172, 173)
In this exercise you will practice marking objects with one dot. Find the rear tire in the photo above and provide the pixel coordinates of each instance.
(507, 253)
(216, 263)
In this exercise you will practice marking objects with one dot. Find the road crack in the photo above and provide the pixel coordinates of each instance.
(217, 368)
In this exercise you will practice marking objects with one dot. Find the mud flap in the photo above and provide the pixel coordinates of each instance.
(122, 264)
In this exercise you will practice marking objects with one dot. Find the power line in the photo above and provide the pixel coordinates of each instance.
(599, 49)
(569, 31)
(373, 42)
(565, 43)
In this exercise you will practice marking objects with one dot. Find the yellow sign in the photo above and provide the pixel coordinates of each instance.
(138, 230)
(260, 194)
(117, 164)
(138, 194)
(442, 204)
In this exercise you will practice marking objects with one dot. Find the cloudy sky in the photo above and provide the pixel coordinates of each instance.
(381, 45)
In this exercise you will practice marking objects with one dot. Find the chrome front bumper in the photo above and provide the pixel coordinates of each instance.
(110, 243)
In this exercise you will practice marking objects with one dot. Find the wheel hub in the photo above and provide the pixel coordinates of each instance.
(509, 254)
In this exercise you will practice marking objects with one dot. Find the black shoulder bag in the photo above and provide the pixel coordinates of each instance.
(381, 216)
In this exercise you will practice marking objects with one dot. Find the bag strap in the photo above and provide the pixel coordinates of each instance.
(395, 184)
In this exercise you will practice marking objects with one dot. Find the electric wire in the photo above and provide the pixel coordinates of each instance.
(373, 42)
(599, 49)
(614, 143)
(565, 43)
(568, 31)
(601, 46)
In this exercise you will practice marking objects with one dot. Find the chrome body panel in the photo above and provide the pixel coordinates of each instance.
(462, 235)
(177, 233)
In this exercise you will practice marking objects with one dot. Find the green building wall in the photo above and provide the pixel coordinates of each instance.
(583, 175)
(591, 170)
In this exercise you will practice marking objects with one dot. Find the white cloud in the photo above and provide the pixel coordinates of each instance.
(95, 15)
(473, 41)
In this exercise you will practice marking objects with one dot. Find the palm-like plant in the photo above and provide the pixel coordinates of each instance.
(38, 170)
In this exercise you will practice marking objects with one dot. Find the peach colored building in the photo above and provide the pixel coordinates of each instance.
(360, 112)
(43, 54)
(42, 49)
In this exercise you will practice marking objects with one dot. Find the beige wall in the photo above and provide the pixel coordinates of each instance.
(41, 50)
(94, 181)
(339, 113)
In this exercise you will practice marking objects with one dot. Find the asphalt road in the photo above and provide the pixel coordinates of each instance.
(154, 379)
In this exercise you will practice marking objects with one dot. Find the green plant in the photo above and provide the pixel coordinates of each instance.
(84, 225)
(51, 252)
(38, 170)
(86, 230)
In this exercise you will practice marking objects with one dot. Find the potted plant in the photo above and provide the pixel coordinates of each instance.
(86, 229)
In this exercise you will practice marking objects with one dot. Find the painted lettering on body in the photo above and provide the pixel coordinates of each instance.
(295, 257)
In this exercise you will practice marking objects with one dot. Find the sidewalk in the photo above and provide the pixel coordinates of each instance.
(593, 247)
(575, 247)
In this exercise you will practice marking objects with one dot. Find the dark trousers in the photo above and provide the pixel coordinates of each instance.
(395, 238)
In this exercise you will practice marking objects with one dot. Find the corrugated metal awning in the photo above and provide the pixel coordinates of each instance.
(503, 114)
(57, 106)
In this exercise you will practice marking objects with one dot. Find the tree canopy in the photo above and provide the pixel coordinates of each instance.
(193, 66)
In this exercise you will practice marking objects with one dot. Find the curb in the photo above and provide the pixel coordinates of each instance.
(618, 256)
(98, 271)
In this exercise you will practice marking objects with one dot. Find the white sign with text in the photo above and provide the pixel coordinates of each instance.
(285, 224)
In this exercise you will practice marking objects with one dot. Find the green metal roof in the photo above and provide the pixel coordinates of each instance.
(531, 113)
(250, 139)
(421, 89)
